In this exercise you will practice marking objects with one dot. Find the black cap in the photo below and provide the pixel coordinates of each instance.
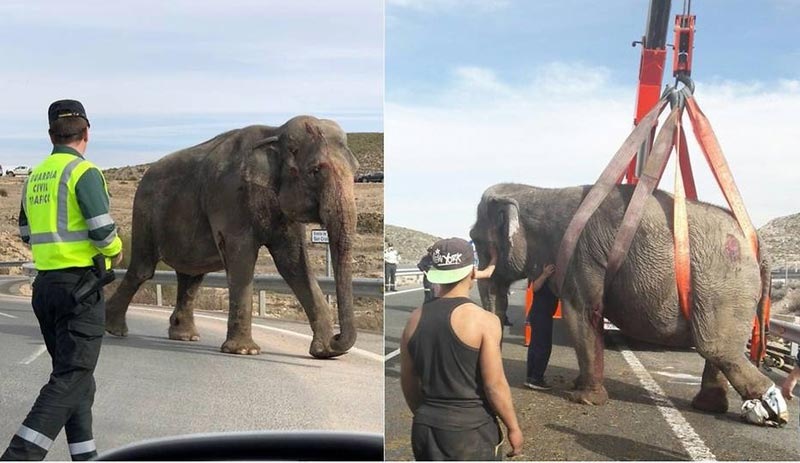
(66, 108)
(452, 260)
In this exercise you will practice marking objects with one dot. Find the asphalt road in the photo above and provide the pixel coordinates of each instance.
(149, 386)
(629, 427)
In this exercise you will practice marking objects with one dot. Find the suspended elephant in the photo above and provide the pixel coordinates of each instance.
(213, 206)
(727, 280)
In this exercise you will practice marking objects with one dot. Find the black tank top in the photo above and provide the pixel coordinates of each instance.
(449, 371)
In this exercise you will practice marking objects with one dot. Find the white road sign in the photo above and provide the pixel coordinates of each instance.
(319, 236)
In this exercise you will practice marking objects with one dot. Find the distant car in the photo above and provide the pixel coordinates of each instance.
(372, 177)
(19, 170)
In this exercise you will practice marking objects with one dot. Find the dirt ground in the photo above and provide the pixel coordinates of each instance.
(368, 250)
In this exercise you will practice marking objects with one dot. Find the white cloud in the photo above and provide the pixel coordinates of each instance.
(560, 128)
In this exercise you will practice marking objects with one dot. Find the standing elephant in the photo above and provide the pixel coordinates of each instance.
(213, 206)
(727, 281)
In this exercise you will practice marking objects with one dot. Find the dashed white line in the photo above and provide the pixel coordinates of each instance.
(691, 441)
(354, 350)
(391, 355)
(394, 293)
(29, 359)
(7, 315)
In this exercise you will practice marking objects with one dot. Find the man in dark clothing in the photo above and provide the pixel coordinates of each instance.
(64, 217)
(424, 265)
(452, 369)
(541, 320)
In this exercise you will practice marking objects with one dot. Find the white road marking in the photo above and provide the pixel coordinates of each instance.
(39, 351)
(391, 355)
(354, 350)
(7, 315)
(692, 443)
(687, 378)
(393, 293)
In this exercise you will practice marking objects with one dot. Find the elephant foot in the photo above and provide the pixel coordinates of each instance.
(594, 396)
(241, 347)
(183, 332)
(323, 350)
(712, 400)
(115, 324)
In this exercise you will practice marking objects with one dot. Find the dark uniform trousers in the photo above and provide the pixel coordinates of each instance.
(73, 335)
(389, 275)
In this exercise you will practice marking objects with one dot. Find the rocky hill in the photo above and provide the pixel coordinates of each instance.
(411, 244)
(781, 237)
(366, 146)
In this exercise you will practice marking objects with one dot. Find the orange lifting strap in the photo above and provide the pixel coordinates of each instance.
(671, 135)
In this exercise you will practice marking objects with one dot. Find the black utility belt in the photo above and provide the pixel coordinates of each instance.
(71, 270)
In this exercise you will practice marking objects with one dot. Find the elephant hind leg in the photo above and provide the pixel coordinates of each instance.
(181, 322)
(730, 359)
(720, 332)
(141, 268)
(713, 395)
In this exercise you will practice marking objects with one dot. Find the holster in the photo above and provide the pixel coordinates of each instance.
(93, 280)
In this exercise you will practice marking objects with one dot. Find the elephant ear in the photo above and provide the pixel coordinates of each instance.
(270, 143)
(348, 155)
(511, 242)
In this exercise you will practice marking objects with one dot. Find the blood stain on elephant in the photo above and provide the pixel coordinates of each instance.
(732, 249)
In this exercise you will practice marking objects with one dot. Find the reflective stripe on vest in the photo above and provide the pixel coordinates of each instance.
(59, 235)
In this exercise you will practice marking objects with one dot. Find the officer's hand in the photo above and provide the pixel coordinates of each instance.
(116, 260)
(515, 439)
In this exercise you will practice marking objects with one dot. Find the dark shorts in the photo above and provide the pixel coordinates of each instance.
(432, 444)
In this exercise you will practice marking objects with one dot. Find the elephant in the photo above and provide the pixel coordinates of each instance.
(526, 224)
(214, 205)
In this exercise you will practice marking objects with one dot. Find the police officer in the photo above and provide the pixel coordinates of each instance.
(64, 217)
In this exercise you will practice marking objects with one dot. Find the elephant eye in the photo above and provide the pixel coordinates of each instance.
(314, 170)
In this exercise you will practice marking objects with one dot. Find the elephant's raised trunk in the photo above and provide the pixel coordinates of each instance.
(338, 211)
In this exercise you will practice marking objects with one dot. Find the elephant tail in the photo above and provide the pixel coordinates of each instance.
(758, 346)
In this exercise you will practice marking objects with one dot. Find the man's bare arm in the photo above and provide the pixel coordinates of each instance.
(494, 380)
(489, 270)
(539, 282)
(409, 382)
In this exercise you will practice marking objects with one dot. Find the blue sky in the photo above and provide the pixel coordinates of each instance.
(481, 92)
(157, 76)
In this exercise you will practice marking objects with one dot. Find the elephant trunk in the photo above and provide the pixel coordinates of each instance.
(338, 211)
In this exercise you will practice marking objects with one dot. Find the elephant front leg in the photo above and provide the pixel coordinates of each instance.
(181, 322)
(586, 327)
(140, 270)
(240, 262)
(291, 260)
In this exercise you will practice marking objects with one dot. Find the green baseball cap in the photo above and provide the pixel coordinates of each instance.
(452, 260)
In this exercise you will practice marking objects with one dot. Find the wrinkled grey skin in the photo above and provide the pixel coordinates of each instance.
(213, 206)
(642, 301)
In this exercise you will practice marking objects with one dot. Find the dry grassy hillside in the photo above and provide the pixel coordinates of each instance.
(411, 244)
(781, 238)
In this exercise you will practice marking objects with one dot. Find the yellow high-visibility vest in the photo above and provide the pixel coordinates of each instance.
(59, 234)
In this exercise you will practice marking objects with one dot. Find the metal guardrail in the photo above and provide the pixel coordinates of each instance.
(786, 330)
(362, 287)
(406, 272)
(14, 263)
